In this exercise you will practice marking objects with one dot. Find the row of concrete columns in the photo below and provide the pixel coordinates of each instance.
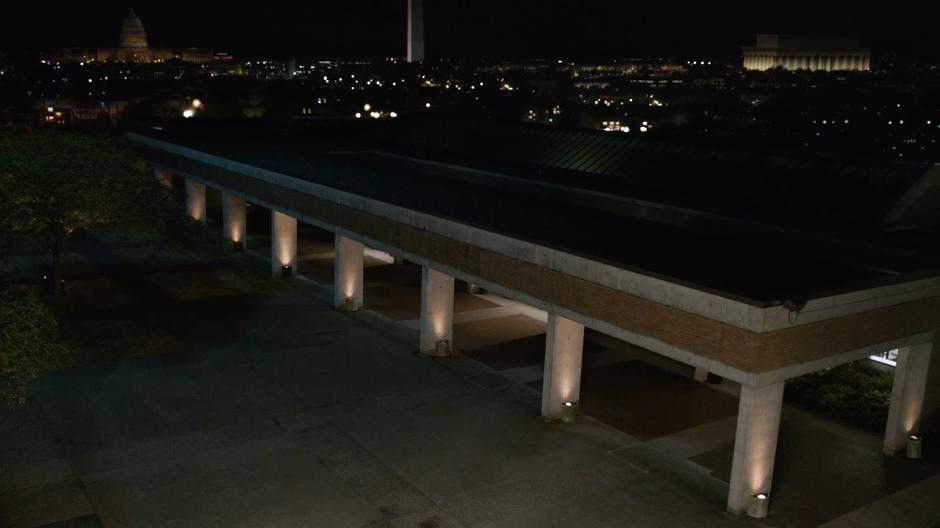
(809, 62)
(759, 407)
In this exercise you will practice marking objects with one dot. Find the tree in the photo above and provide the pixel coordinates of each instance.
(54, 182)
(27, 343)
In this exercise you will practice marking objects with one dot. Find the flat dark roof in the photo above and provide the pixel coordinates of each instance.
(761, 227)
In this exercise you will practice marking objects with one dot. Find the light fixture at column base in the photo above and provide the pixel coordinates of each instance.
(758, 505)
(352, 304)
(569, 411)
(915, 446)
(442, 348)
(286, 271)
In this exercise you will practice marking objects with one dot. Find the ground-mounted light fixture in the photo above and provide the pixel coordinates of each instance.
(352, 304)
(915, 446)
(238, 246)
(442, 348)
(758, 505)
(569, 411)
(286, 271)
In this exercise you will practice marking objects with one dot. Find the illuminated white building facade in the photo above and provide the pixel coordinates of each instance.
(794, 52)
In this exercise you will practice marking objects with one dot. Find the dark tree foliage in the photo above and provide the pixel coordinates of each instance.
(54, 182)
(27, 343)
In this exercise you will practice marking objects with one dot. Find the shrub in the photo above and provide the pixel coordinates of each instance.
(27, 343)
(854, 393)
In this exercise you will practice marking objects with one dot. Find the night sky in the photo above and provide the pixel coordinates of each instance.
(475, 28)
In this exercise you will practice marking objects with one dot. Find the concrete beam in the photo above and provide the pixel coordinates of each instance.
(437, 311)
(347, 274)
(755, 444)
(564, 345)
(234, 222)
(196, 200)
(283, 243)
(907, 396)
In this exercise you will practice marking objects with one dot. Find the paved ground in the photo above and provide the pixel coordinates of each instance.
(912, 507)
(296, 415)
(275, 410)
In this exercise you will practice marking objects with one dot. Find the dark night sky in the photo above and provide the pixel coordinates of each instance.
(476, 28)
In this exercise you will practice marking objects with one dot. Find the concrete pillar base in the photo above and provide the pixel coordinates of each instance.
(437, 313)
(564, 345)
(234, 224)
(347, 274)
(196, 201)
(283, 245)
(907, 396)
(165, 177)
(755, 444)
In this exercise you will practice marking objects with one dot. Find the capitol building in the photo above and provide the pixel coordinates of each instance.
(134, 48)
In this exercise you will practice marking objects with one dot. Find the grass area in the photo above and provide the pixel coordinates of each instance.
(854, 393)
(131, 293)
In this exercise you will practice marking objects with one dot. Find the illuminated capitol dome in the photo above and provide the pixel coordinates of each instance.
(132, 32)
(133, 47)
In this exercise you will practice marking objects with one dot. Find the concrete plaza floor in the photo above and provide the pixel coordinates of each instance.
(292, 414)
(279, 411)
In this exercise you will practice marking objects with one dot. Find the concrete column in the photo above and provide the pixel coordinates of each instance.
(755, 444)
(907, 396)
(437, 310)
(347, 274)
(283, 243)
(196, 200)
(165, 177)
(415, 30)
(701, 374)
(234, 223)
(561, 382)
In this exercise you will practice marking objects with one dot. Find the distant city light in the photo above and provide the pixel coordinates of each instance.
(366, 107)
(358, 115)
(189, 112)
(427, 105)
(197, 103)
(393, 114)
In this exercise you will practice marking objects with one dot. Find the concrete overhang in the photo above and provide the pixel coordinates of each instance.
(743, 341)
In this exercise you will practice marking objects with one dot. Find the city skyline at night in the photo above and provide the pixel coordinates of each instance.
(487, 29)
